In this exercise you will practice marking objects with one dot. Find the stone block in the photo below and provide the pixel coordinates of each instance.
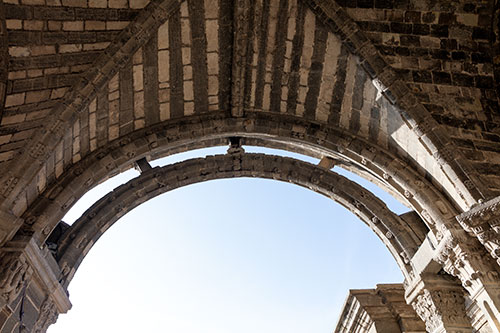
(138, 4)
(37, 96)
(74, 3)
(73, 26)
(33, 2)
(117, 3)
(33, 25)
(116, 25)
(98, 3)
(15, 99)
(95, 25)
(69, 48)
(14, 24)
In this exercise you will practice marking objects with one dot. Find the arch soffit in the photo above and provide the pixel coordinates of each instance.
(77, 241)
(416, 116)
(81, 94)
(181, 135)
(158, 11)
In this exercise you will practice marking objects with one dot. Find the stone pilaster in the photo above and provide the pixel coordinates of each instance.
(440, 302)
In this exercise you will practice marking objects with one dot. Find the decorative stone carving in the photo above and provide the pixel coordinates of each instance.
(440, 309)
(48, 316)
(425, 308)
(15, 272)
(439, 300)
(484, 222)
(466, 261)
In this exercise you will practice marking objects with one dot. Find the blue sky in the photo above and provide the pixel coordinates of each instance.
(239, 255)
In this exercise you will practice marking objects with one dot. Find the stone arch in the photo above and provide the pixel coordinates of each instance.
(401, 239)
(443, 157)
(260, 129)
(427, 131)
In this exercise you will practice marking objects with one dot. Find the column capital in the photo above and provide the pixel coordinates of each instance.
(439, 301)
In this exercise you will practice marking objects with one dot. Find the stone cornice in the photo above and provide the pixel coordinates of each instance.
(484, 222)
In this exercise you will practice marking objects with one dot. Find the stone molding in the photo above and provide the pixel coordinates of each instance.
(390, 228)
(439, 308)
(291, 133)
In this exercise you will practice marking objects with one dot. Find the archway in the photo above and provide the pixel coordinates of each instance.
(321, 77)
(289, 244)
(394, 231)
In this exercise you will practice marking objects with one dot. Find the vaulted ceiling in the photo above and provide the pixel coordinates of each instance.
(417, 79)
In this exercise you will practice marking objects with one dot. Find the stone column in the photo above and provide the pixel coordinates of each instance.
(440, 302)
(31, 296)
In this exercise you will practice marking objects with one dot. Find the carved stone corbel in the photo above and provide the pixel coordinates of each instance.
(483, 221)
(440, 302)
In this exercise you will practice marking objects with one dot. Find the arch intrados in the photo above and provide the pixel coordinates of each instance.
(208, 130)
(77, 241)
